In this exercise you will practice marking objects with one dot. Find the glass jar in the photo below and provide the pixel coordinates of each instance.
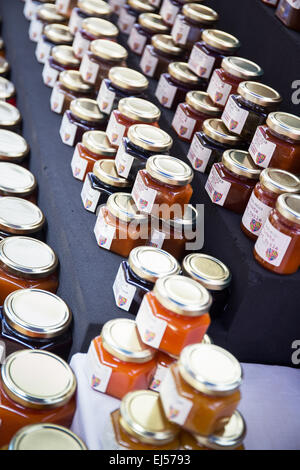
(35, 386)
(141, 33)
(45, 14)
(278, 245)
(190, 23)
(231, 182)
(130, 12)
(53, 35)
(4, 67)
(163, 189)
(62, 58)
(140, 424)
(117, 361)
(174, 85)
(20, 217)
(288, 11)
(120, 227)
(100, 184)
(272, 183)
(83, 115)
(65, 7)
(26, 263)
(158, 55)
(141, 143)
(86, 9)
(92, 29)
(137, 276)
(170, 9)
(17, 181)
(190, 115)
(225, 81)
(10, 117)
(174, 315)
(209, 144)
(277, 144)
(2, 48)
(249, 109)
(7, 91)
(116, 5)
(212, 274)
(36, 319)
(94, 146)
(13, 147)
(31, 7)
(69, 87)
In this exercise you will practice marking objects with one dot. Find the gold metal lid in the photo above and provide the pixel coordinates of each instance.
(259, 94)
(128, 79)
(19, 216)
(46, 436)
(141, 5)
(122, 206)
(7, 89)
(200, 13)
(99, 27)
(120, 337)
(13, 147)
(288, 205)
(230, 437)
(37, 313)
(9, 114)
(58, 33)
(4, 66)
(242, 68)
(149, 137)
(153, 22)
(64, 55)
(95, 8)
(187, 222)
(182, 295)
(27, 257)
(209, 271)
(210, 369)
(200, 101)
(285, 124)
(150, 263)
(216, 130)
(98, 143)
(165, 43)
(106, 172)
(142, 417)
(38, 379)
(47, 12)
(71, 79)
(180, 71)
(169, 170)
(279, 181)
(138, 109)
(241, 163)
(220, 40)
(87, 109)
(108, 50)
(15, 180)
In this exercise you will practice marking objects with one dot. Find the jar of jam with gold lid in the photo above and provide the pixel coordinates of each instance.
(53, 35)
(31, 7)
(69, 87)
(159, 54)
(288, 11)
(83, 115)
(7, 91)
(65, 7)
(45, 14)
(10, 117)
(92, 29)
(141, 33)
(13, 147)
(209, 144)
(35, 386)
(170, 9)
(62, 58)
(20, 217)
(17, 181)
(130, 12)
(249, 109)
(86, 9)
(4, 67)
(231, 182)
(141, 143)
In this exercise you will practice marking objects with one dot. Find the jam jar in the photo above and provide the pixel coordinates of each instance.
(249, 109)
(208, 53)
(159, 54)
(91, 29)
(102, 56)
(86, 9)
(141, 33)
(141, 143)
(20, 217)
(212, 274)
(31, 7)
(208, 145)
(137, 276)
(116, 5)
(10, 117)
(69, 87)
(140, 424)
(189, 24)
(2, 47)
(231, 182)
(163, 189)
(17, 181)
(7, 91)
(231, 437)
(190, 115)
(36, 319)
(100, 184)
(117, 361)
(4, 67)
(170, 8)
(45, 14)
(225, 81)
(53, 35)
(35, 387)
(62, 58)
(174, 85)
(13, 147)
(201, 391)
(130, 111)
(288, 11)
(65, 7)
(122, 82)
(94, 146)
(272, 183)
(174, 315)
(277, 144)
(83, 115)
(26, 263)
(120, 227)
(130, 12)
(278, 245)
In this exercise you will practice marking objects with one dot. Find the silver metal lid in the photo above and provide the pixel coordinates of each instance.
(122, 206)
(149, 137)
(19, 216)
(7, 89)
(13, 147)
(209, 271)
(15, 180)
(229, 438)
(9, 114)
(169, 170)
(150, 263)
(288, 205)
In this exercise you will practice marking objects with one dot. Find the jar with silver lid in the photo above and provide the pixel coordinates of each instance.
(17, 181)
(13, 148)
(10, 117)
(20, 217)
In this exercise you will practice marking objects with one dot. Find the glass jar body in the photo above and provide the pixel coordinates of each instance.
(170, 91)
(94, 69)
(165, 237)
(289, 13)
(83, 161)
(61, 98)
(72, 128)
(155, 62)
(187, 121)
(187, 32)
(222, 84)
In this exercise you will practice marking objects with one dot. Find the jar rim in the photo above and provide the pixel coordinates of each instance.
(241, 68)
(150, 263)
(209, 271)
(98, 143)
(181, 71)
(165, 43)
(139, 109)
(288, 205)
(285, 124)
(72, 80)
(108, 50)
(241, 163)
(16, 180)
(149, 137)
(105, 171)
(86, 109)
(169, 170)
(258, 93)
(201, 102)
(58, 33)
(200, 13)
(99, 27)
(13, 146)
(7, 88)
(141, 6)
(64, 55)
(94, 8)
(216, 130)
(122, 206)
(19, 216)
(220, 40)
(153, 22)
(279, 181)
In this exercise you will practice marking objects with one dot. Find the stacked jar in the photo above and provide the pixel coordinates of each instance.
(52, 35)
(69, 87)
(45, 14)
(158, 55)
(130, 12)
(86, 9)
(62, 58)
(92, 29)
(141, 33)
(170, 9)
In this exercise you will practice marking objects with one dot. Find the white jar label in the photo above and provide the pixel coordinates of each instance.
(218, 90)
(67, 131)
(89, 196)
(42, 51)
(148, 62)
(180, 31)
(168, 11)
(255, 215)
(50, 75)
(78, 165)
(62, 6)
(150, 328)
(183, 124)
(115, 131)
(234, 117)
(30, 9)
(176, 407)
(88, 70)
(143, 196)
(98, 374)
(125, 21)
(155, 3)
(261, 150)
(294, 3)
(123, 161)
(271, 244)
(116, 5)
(216, 187)
(105, 98)
(201, 63)
(75, 22)
(198, 155)
(165, 93)
(159, 376)
(157, 238)
(80, 45)
(104, 233)
(57, 100)
(123, 292)
(35, 29)
(136, 41)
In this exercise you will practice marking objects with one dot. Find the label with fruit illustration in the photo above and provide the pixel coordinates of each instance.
(198, 155)
(234, 117)
(272, 244)
(98, 374)
(57, 100)
(183, 124)
(105, 98)
(168, 12)
(78, 165)
(255, 215)
(89, 196)
(180, 31)
(80, 45)
(123, 161)
(218, 90)
(115, 131)
(261, 150)
(88, 70)
(148, 62)
(35, 29)
(201, 63)
(150, 328)
(176, 407)
(49, 74)
(75, 21)
(157, 238)
(42, 51)
(143, 196)
(165, 92)
(123, 292)
(136, 41)
(158, 378)
(67, 131)
(125, 21)
(104, 233)
(217, 188)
